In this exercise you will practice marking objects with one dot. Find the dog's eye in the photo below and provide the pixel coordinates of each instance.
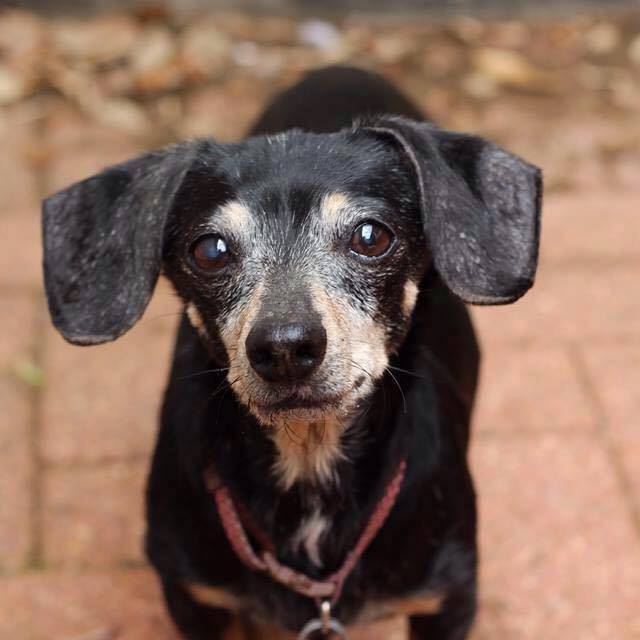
(371, 239)
(210, 252)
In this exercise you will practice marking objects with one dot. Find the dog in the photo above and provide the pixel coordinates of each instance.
(310, 471)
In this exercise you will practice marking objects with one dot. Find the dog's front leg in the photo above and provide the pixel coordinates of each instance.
(195, 621)
(453, 622)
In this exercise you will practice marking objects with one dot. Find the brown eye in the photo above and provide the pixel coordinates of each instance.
(210, 253)
(371, 239)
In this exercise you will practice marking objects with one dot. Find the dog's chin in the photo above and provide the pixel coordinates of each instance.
(297, 410)
(301, 415)
(306, 408)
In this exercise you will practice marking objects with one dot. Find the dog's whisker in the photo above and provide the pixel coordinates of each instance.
(225, 384)
(411, 373)
(404, 400)
(353, 363)
(202, 373)
(295, 438)
(159, 316)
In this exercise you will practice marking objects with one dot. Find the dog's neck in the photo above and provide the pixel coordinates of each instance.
(311, 487)
(308, 451)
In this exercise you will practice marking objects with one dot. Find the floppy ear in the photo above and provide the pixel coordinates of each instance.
(103, 243)
(480, 209)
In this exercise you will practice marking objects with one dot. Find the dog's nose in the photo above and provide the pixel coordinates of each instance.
(286, 352)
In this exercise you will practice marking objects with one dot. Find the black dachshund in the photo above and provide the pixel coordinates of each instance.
(311, 460)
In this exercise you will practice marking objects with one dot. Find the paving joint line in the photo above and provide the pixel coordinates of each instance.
(488, 433)
(95, 463)
(122, 565)
(35, 554)
(35, 558)
(591, 263)
(602, 428)
(530, 343)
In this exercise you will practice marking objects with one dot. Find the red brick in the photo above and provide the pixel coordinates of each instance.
(78, 163)
(93, 517)
(19, 186)
(530, 388)
(70, 128)
(560, 558)
(103, 402)
(80, 147)
(223, 112)
(591, 226)
(575, 303)
(615, 377)
(20, 249)
(126, 605)
(16, 324)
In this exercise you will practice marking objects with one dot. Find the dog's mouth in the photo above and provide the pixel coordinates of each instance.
(295, 401)
(304, 402)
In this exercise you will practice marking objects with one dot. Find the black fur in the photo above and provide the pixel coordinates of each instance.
(103, 244)
(481, 210)
(466, 216)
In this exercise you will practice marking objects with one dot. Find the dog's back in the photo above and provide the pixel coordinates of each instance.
(331, 99)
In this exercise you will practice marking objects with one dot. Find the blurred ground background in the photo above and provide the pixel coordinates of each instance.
(484, 8)
(556, 454)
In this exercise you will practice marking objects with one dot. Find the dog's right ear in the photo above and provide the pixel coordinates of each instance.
(103, 242)
(480, 208)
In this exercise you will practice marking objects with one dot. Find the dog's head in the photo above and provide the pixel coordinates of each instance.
(299, 256)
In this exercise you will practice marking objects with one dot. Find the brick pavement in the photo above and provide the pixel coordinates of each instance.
(556, 454)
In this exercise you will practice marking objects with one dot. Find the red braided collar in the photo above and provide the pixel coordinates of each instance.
(234, 520)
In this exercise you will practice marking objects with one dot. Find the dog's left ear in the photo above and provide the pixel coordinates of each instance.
(480, 209)
(103, 240)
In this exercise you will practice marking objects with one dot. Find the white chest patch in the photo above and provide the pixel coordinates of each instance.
(309, 536)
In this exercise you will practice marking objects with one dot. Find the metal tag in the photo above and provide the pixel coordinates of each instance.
(329, 629)
(325, 624)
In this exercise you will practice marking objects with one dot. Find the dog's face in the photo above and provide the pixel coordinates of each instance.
(302, 272)
(298, 256)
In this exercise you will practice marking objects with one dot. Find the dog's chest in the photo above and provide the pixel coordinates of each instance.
(309, 535)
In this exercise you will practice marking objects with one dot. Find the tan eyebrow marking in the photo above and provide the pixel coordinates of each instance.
(410, 297)
(235, 215)
(196, 319)
(333, 204)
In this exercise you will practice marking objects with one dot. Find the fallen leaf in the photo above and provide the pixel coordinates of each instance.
(29, 372)
(12, 86)
(509, 68)
(391, 49)
(469, 30)
(479, 85)
(155, 48)
(101, 40)
(634, 50)
(204, 50)
(122, 114)
(602, 38)
(319, 34)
